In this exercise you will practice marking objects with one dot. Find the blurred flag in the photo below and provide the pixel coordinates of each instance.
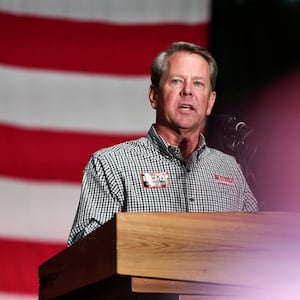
(74, 78)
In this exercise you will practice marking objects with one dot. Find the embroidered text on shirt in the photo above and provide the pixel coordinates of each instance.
(224, 180)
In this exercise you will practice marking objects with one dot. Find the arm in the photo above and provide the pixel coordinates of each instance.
(250, 202)
(101, 197)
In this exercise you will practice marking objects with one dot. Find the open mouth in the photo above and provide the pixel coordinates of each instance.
(186, 107)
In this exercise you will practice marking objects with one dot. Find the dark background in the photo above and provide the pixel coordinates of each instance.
(254, 42)
(256, 45)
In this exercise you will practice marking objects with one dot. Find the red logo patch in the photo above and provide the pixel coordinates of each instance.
(224, 180)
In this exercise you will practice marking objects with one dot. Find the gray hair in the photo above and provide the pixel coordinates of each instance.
(159, 64)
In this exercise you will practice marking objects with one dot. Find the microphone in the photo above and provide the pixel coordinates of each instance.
(234, 132)
(232, 126)
(234, 139)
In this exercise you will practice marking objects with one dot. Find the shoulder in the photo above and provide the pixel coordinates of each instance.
(218, 155)
(113, 157)
(125, 148)
(221, 160)
(123, 153)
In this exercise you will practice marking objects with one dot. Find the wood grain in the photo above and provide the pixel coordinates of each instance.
(208, 255)
(256, 250)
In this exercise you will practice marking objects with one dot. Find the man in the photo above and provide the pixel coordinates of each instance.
(172, 169)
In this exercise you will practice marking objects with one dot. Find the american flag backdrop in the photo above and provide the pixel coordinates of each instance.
(74, 78)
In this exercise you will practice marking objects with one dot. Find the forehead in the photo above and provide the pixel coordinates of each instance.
(186, 63)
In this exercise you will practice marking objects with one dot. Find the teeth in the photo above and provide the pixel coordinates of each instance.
(186, 106)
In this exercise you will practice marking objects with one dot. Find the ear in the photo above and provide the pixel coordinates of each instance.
(153, 96)
(211, 102)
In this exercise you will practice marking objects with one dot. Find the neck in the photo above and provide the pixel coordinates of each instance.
(186, 141)
(187, 147)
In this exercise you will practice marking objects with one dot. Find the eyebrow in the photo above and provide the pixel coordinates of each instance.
(194, 77)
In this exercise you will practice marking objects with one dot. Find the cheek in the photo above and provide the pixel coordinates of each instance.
(170, 97)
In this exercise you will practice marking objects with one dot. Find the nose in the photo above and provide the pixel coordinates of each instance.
(186, 90)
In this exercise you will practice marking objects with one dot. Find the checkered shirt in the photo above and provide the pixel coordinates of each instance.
(149, 175)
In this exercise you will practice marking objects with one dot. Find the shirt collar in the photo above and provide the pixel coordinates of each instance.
(172, 151)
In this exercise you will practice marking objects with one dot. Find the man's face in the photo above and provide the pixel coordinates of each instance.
(185, 97)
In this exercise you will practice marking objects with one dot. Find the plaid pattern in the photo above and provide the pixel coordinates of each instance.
(113, 181)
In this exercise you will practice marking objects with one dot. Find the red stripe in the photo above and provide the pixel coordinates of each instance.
(19, 262)
(50, 155)
(92, 47)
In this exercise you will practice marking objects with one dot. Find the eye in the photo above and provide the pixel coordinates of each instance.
(176, 81)
(198, 83)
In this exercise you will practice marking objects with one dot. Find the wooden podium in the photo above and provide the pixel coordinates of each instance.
(187, 256)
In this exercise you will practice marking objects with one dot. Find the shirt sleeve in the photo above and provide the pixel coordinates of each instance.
(250, 203)
(100, 198)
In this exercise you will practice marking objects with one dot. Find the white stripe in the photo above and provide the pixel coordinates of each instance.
(75, 102)
(12, 296)
(37, 211)
(127, 11)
